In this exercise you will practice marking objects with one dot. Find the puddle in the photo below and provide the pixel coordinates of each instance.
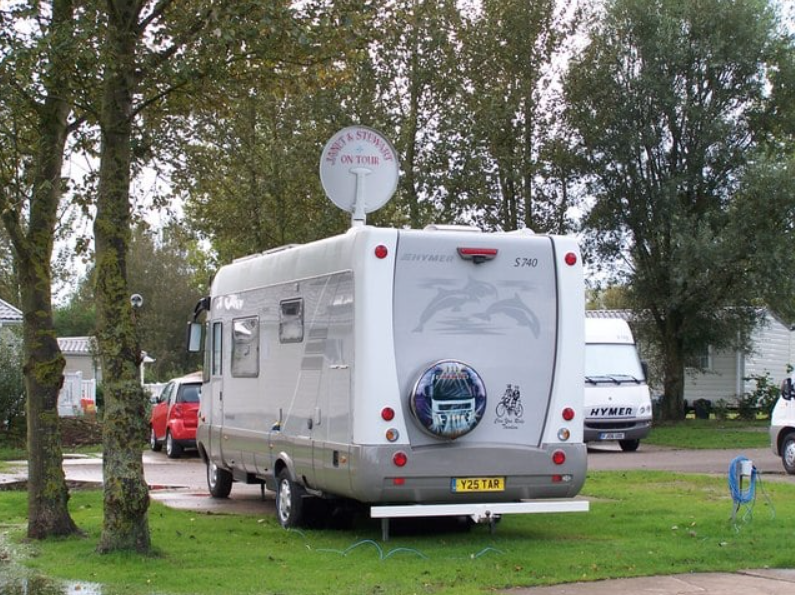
(44, 586)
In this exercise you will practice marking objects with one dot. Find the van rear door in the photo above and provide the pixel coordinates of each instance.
(488, 302)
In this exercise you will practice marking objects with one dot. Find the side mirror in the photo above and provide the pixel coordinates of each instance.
(194, 337)
(787, 389)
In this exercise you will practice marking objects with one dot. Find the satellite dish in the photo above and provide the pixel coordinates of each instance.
(359, 171)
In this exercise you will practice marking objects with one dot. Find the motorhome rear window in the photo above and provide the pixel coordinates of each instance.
(291, 322)
(245, 347)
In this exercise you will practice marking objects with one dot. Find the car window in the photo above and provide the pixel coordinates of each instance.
(189, 393)
(166, 394)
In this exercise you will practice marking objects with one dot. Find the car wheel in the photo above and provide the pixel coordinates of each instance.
(788, 453)
(629, 445)
(289, 501)
(153, 443)
(218, 480)
(173, 449)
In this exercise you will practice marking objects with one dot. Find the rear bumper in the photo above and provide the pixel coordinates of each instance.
(480, 511)
(183, 433)
(529, 473)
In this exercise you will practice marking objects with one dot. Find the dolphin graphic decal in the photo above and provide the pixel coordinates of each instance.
(454, 299)
(514, 308)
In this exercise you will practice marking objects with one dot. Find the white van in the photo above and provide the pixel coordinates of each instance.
(782, 426)
(421, 372)
(617, 400)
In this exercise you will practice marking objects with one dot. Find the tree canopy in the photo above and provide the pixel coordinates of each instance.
(666, 101)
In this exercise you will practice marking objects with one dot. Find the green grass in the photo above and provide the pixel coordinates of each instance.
(9, 452)
(640, 523)
(710, 433)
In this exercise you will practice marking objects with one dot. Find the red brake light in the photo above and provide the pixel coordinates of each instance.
(558, 457)
(477, 255)
(400, 459)
(571, 259)
(381, 251)
(568, 414)
(387, 414)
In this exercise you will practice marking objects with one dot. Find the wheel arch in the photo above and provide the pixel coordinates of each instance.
(202, 452)
(782, 435)
(282, 462)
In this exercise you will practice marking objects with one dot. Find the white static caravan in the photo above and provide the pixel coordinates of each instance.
(424, 373)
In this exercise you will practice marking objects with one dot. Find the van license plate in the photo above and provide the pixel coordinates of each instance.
(478, 484)
(611, 436)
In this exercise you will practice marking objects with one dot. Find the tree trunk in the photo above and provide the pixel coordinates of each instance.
(48, 495)
(673, 405)
(126, 495)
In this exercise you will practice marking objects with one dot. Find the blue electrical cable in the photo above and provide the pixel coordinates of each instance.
(740, 494)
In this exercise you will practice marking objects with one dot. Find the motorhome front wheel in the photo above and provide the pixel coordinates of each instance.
(448, 399)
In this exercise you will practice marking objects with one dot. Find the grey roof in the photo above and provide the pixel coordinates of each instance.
(627, 315)
(76, 345)
(9, 314)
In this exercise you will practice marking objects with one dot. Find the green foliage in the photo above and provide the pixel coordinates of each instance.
(526, 169)
(761, 399)
(246, 160)
(654, 73)
(612, 297)
(75, 319)
(12, 386)
(161, 271)
(761, 221)
(640, 523)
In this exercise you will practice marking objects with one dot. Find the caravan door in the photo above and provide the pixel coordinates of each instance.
(214, 390)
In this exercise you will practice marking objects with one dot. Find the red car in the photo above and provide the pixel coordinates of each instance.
(175, 415)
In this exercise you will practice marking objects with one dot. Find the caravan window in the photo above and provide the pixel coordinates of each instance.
(291, 321)
(216, 354)
(245, 347)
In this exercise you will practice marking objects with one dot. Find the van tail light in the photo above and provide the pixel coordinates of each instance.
(571, 259)
(477, 255)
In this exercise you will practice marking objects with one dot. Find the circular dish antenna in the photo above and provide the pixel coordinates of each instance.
(359, 170)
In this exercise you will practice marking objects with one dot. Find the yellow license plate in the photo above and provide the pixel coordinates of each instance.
(478, 484)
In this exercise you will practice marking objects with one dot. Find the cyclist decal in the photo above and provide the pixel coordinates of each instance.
(509, 410)
(449, 399)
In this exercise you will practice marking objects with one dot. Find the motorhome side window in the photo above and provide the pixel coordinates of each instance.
(291, 322)
(217, 345)
(245, 347)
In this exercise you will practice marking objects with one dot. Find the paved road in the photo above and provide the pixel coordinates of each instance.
(608, 457)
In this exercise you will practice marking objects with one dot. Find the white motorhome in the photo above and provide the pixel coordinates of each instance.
(782, 426)
(422, 372)
(617, 400)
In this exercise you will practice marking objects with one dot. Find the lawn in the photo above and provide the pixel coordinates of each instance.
(711, 433)
(640, 523)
